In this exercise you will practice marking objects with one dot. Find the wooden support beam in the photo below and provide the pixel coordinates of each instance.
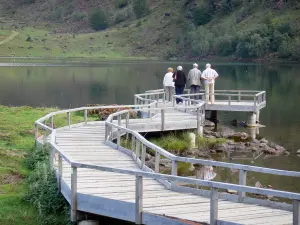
(137, 149)
(74, 194)
(69, 119)
(214, 206)
(138, 199)
(52, 121)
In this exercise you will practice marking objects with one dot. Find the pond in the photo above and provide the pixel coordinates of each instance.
(73, 83)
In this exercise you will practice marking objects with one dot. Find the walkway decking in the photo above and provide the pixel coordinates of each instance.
(96, 174)
(112, 194)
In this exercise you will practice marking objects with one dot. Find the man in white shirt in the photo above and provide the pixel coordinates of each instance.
(169, 85)
(209, 75)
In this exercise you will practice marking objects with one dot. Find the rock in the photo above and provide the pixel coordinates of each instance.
(240, 147)
(230, 142)
(255, 141)
(280, 149)
(212, 151)
(207, 132)
(221, 147)
(264, 141)
(258, 185)
(166, 163)
(263, 146)
(231, 191)
(253, 149)
(298, 152)
(240, 136)
(210, 136)
(148, 157)
(208, 124)
(247, 144)
(271, 151)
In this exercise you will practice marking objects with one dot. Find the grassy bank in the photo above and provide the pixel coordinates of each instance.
(16, 142)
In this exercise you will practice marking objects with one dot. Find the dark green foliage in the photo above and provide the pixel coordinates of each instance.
(138, 24)
(42, 192)
(120, 17)
(225, 45)
(98, 20)
(140, 8)
(78, 16)
(202, 15)
(121, 3)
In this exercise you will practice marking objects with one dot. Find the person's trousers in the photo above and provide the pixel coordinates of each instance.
(179, 91)
(169, 93)
(195, 89)
(209, 92)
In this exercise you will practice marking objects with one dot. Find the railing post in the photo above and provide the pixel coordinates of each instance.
(44, 136)
(36, 134)
(135, 100)
(242, 181)
(296, 212)
(69, 119)
(118, 138)
(52, 122)
(132, 143)
(254, 100)
(74, 194)
(229, 100)
(157, 159)
(143, 158)
(127, 123)
(85, 116)
(149, 112)
(213, 206)
(239, 96)
(174, 173)
(164, 97)
(174, 100)
(185, 103)
(162, 119)
(138, 199)
(137, 149)
(119, 120)
(51, 157)
(106, 131)
(60, 172)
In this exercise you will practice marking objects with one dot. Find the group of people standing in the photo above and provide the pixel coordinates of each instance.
(177, 80)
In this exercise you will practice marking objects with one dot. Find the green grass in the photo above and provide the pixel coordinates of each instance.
(16, 141)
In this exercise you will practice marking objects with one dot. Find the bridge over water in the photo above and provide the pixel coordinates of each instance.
(97, 174)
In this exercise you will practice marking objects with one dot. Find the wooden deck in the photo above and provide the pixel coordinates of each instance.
(97, 174)
(113, 194)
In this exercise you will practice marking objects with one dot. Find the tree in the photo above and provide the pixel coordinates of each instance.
(98, 20)
(140, 8)
(202, 15)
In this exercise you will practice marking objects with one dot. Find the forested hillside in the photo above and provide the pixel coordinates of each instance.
(237, 29)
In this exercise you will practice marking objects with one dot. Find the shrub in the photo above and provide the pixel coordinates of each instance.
(138, 24)
(42, 192)
(225, 45)
(202, 15)
(98, 20)
(120, 17)
(121, 3)
(140, 8)
(78, 16)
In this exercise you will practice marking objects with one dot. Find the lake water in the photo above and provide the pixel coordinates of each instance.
(74, 83)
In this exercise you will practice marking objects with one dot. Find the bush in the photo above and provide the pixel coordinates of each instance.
(138, 24)
(78, 16)
(98, 20)
(140, 8)
(42, 192)
(202, 15)
(225, 45)
(120, 17)
(121, 3)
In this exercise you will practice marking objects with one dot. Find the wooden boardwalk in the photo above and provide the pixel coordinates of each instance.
(96, 174)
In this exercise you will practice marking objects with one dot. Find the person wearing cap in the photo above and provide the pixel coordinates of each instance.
(209, 75)
(180, 81)
(169, 84)
(194, 78)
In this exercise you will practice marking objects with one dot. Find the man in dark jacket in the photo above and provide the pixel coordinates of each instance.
(180, 81)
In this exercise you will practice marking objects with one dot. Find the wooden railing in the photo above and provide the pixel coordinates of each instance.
(138, 150)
